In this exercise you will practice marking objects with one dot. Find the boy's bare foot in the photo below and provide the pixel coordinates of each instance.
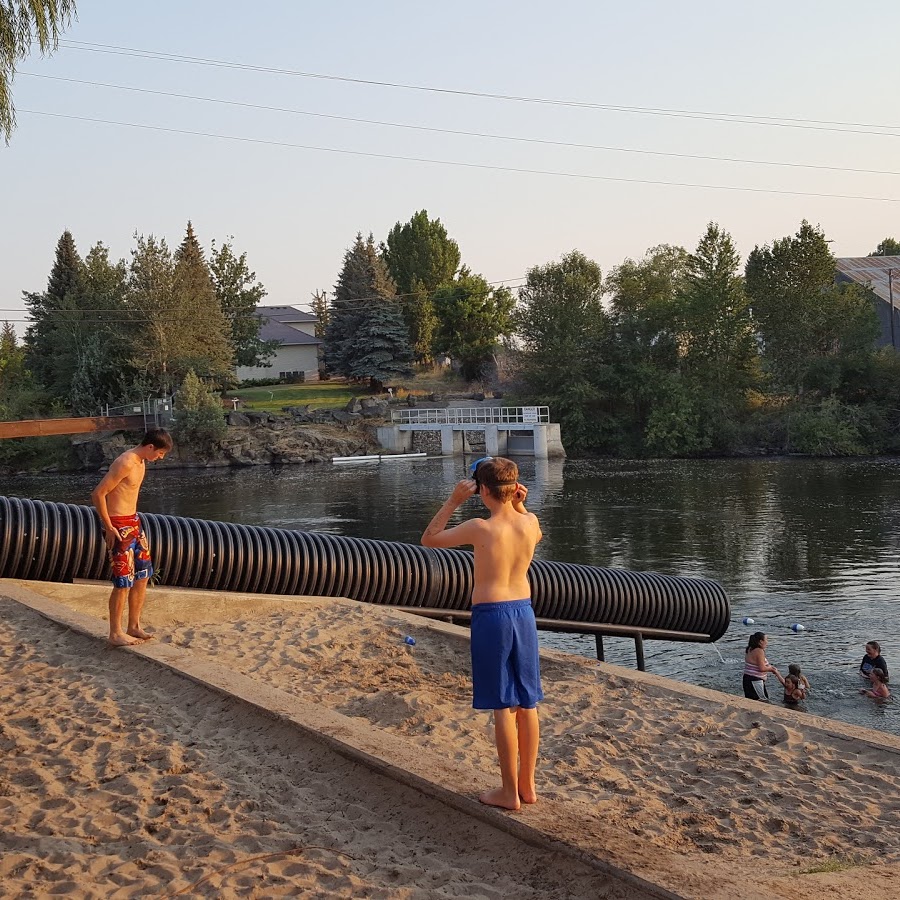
(528, 795)
(139, 633)
(498, 797)
(122, 640)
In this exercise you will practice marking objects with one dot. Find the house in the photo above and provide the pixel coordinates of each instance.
(297, 356)
(881, 274)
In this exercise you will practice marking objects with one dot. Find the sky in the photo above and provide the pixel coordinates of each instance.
(821, 75)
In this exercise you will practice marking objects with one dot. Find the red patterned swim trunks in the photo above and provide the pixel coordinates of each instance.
(130, 555)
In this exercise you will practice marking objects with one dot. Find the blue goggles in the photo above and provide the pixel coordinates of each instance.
(473, 469)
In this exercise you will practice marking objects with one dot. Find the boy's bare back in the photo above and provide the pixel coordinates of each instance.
(504, 546)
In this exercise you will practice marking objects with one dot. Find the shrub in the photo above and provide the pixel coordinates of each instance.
(199, 420)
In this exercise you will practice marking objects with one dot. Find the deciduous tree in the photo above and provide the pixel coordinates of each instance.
(24, 23)
(420, 258)
(472, 316)
(562, 326)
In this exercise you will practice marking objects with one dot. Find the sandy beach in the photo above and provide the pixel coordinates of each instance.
(119, 778)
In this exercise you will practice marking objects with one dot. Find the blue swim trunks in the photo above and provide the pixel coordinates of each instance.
(506, 669)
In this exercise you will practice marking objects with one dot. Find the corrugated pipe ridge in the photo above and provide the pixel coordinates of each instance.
(61, 541)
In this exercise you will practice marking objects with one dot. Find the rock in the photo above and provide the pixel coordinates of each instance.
(236, 418)
(353, 406)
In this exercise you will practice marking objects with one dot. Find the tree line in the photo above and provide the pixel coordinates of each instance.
(679, 353)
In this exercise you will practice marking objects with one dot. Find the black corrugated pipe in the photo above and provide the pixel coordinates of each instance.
(61, 541)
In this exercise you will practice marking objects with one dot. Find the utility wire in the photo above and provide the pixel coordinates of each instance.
(744, 119)
(478, 134)
(465, 165)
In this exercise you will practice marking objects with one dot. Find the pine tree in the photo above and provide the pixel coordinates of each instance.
(52, 337)
(204, 338)
(239, 294)
(365, 301)
(12, 360)
(150, 304)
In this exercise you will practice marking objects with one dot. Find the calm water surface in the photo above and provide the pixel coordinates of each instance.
(806, 541)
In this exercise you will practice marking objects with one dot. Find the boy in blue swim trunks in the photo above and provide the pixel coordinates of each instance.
(505, 664)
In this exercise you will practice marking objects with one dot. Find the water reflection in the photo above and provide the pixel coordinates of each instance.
(806, 541)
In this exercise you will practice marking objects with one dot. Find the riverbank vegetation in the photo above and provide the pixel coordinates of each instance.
(679, 353)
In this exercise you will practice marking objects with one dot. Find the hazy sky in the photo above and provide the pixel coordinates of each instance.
(295, 211)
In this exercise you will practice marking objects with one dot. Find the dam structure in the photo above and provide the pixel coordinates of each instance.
(490, 430)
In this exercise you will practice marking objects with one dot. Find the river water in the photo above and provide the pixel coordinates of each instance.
(812, 542)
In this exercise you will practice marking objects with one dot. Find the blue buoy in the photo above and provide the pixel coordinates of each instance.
(748, 621)
(409, 640)
(797, 627)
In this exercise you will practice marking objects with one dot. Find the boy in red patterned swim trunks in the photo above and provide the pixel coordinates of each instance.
(115, 499)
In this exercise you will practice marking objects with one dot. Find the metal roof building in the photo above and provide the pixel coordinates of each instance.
(882, 275)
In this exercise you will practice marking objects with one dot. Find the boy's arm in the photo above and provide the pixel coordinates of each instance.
(518, 504)
(438, 535)
(110, 481)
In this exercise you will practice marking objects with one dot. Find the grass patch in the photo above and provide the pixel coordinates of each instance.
(315, 394)
(839, 864)
(333, 394)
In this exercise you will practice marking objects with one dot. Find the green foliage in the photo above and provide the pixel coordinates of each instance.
(563, 328)
(420, 257)
(473, 317)
(179, 318)
(56, 321)
(103, 373)
(888, 247)
(366, 336)
(205, 339)
(805, 321)
(239, 294)
(829, 429)
(12, 361)
(715, 332)
(22, 24)
(199, 417)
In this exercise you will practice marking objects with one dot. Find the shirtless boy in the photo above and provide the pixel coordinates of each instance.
(115, 499)
(505, 664)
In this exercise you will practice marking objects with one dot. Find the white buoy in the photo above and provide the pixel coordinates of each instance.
(797, 627)
(748, 621)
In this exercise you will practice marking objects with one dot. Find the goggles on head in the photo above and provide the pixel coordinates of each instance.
(473, 469)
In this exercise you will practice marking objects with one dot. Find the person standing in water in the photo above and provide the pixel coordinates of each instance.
(115, 500)
(505, 662)
(757, 668)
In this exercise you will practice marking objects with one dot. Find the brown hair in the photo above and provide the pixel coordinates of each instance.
(874, 645)
(157, 437)
(500, 476)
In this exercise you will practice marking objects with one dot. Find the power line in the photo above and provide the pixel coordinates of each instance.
(460, 133)
(465, 165)
(735, 118)
(138, 316)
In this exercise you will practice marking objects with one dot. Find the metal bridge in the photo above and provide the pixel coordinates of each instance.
(139, 416)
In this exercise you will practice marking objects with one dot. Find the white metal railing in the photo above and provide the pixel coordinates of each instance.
(478, 415)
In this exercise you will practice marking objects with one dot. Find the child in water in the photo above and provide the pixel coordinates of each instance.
(800, 680)
(879, 689)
